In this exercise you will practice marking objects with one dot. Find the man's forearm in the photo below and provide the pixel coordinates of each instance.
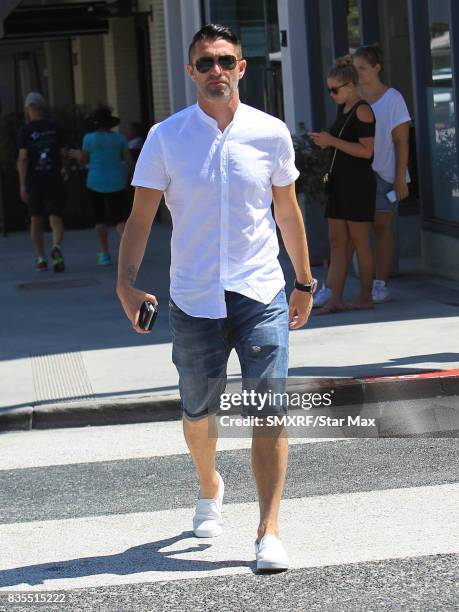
(132, 250)
(22, 170)
(135, 235)
(294, 237)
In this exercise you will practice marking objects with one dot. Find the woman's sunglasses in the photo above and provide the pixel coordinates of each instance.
(226, 62)
(334, 90)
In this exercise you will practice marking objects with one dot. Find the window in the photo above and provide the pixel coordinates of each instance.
(256, 24)
(441, 105)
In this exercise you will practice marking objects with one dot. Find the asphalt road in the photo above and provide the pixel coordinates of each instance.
(102, 517)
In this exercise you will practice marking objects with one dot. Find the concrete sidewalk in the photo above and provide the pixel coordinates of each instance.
(68, 355)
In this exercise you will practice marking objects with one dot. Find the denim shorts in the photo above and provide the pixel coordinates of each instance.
(382, 203)
(201, 347)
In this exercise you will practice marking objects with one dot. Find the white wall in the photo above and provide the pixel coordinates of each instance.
(182, 20)
(191, 23)
(294, 66)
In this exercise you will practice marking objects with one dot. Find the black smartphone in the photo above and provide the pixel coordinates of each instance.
(147, 316)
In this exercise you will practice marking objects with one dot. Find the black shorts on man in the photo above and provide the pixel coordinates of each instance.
(46, 196)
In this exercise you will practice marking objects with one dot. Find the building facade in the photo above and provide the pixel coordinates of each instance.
(86, 53)
(131, 55)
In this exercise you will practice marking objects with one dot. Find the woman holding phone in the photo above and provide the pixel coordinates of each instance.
(352, 185)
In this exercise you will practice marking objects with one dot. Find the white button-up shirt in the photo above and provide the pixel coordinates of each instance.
(218, 188)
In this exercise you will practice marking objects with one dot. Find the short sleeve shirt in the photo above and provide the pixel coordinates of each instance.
(218, 188)
(390, 111)
(43, 140)
(107, 169)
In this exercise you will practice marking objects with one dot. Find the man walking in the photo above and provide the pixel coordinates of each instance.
(41, 153)
(220, 163)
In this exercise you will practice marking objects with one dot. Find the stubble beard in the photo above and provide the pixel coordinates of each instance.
(214, 93)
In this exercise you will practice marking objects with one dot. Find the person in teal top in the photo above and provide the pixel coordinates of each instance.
(109, 161)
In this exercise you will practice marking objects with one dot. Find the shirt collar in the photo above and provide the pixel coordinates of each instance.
(211, 121)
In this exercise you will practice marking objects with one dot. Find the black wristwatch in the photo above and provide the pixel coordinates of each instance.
(308, 287)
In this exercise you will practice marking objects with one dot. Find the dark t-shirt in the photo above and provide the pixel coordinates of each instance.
(43, 141)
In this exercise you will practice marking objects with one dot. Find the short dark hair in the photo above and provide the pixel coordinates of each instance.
(213, 31)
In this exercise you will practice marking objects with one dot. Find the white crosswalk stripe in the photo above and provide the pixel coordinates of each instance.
(339, 529)
(114, 549)
(108, 443)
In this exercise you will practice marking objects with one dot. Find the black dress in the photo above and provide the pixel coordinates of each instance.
(353, 183)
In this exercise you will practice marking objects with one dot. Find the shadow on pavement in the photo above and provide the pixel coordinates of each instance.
(139, 559)
(390, 367)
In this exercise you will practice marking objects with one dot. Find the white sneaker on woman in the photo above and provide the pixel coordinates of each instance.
(321, 297)
(380, 292)
(207, 520)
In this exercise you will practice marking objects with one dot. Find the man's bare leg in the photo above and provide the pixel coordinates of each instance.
(202, 449)
(269, 464)
(36, 233)
(57, 226)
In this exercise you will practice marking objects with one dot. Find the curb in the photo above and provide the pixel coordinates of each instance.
(117, 411)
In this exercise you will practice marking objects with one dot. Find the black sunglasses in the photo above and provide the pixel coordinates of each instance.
(226, 62)
(334, 90)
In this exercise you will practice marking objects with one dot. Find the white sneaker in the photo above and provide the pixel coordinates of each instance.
(270, 553)
(380, 292)
(321, 297)
(207, 520)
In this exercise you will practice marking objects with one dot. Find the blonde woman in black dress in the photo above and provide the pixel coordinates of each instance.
(351, 206)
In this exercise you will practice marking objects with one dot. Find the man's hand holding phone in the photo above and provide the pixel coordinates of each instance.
(142, 316)
(147, 316)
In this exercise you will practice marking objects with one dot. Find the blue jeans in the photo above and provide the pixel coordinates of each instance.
(201, 347)
(382, 203)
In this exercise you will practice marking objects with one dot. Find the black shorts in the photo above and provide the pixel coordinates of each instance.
(46, 198)
(109, 207)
